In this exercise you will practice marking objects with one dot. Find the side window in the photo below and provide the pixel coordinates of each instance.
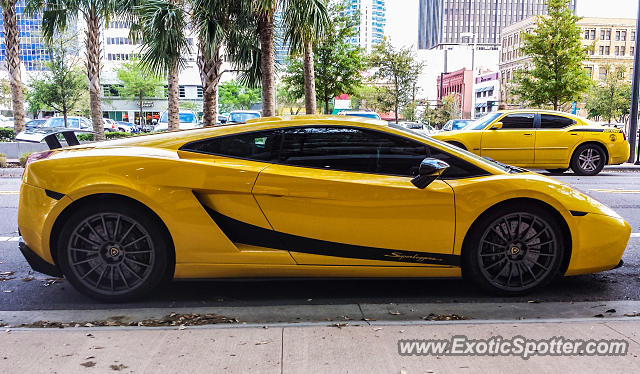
(458, 168)
(73, 123)
(350, 149)
(518, 121)
(258, 146)
(548, 121)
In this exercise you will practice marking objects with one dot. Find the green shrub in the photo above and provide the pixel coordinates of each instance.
(6, 134)
(23, 158)
(109, 135)
(3, 160)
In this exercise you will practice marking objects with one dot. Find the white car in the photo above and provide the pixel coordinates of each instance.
(359, 113)
(73, 122)
(109, 124)
(418, 127)
(188, 120)
(241, 116)
(8, 121)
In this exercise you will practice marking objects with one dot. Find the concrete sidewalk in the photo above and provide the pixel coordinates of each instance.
(300, 349)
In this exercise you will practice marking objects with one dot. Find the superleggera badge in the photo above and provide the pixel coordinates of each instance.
(612, 137)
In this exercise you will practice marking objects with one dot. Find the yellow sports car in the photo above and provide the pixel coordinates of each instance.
(542, 139)
(306, 196)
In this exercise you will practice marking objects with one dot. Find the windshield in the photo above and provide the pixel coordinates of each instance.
(482, 122)
(36, 123)
(242, 116)
(184, 117)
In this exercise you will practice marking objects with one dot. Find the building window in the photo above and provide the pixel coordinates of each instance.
(631, 50)
(602, 73)
(589, 70)
(617, 35)
(623, 35)
(617, 51)
(607, 50)
(601, 50)
(622, 50)
(181, 92)
(199, 92)
(633, 36)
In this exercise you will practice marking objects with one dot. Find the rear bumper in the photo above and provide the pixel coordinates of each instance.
(36, 262)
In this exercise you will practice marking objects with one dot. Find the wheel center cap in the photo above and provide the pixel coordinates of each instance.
(114, 252)
(514, 250)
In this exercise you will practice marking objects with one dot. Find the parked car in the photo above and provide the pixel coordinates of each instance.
(361, 113)
(542, 139)
(421, 128)
(125, 126)
(8, 121)
(188, 120)
(109, 124)
(73, 122)
(241, 116)
(303, 197)
(36, 123)
(456, 124)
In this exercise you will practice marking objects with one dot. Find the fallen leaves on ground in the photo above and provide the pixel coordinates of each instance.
(50, 281)
(443, 317)
(340, 325)
(88, 364)
(174, 319)
(28, 279)
(634, 314)
(7, 275)
(118, 367)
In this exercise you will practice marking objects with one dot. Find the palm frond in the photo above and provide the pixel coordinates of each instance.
(304, 20)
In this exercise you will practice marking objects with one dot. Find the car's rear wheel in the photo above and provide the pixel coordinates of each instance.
(112, 251)
(557, 171)
(514, 249)
(588, 159)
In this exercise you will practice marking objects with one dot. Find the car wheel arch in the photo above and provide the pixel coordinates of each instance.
(520, 201)
(596, 143)
(85, 200)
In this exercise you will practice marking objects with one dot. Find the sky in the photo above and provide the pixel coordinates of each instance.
(402, 16)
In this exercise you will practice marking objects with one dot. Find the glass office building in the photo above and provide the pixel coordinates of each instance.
(442, 22)
(32, 48)
(370, 29)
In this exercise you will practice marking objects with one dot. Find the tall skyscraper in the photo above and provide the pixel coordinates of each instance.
(32, 49)
(442, 22)
(372, 15)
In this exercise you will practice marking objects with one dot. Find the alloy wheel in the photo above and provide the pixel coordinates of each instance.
(517, 251)
(111, 253)
(589, 159)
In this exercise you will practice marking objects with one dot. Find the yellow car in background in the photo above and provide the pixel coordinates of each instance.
(542, 139)
(305, 196)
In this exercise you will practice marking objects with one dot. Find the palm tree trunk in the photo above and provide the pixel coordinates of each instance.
(267, 59)
(93, 72)
(174, 100)
(12, 52)
(309, 79)
(210, 77)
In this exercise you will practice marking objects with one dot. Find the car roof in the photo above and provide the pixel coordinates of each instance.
(540, 111)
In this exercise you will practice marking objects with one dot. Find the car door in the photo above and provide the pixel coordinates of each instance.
(230, 165)
(553, 141)
(513, 143)
(343, 196)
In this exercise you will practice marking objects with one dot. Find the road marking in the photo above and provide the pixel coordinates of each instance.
(614, 191)
(9, 192)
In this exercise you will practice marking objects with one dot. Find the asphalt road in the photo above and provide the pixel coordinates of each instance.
(619, 190)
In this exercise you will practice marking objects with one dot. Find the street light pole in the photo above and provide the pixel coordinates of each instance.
(633, 122)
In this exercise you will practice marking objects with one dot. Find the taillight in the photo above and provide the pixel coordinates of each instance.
(624, 135)
(38, 156)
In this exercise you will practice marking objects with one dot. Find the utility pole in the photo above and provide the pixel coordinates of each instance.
(633, 122)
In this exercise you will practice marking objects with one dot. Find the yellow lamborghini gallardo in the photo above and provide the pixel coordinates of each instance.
(305, 196)
(542, 139)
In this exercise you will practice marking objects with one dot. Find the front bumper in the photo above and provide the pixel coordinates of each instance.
(36, 262)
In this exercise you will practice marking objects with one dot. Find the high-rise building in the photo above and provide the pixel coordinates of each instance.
(372, 16)
(444, 22)
(33, 52)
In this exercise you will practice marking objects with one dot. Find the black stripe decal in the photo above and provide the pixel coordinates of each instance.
(245, 233)
(612, 130)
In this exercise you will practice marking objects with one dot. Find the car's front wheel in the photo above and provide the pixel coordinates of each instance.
(113, 251)
(588, 159)
(514, 249)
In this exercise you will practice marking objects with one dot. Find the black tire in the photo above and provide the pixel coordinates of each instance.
(588, 159)
(459, 145)
(536, 251)
(557, 171)
(113, 251)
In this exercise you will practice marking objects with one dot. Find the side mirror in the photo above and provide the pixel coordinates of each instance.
(430, 169)
(496, 126)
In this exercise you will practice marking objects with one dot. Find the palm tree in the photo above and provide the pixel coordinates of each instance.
(12, 53)
(305, 22)
(56, 16)
(228, 24)
(161, 24)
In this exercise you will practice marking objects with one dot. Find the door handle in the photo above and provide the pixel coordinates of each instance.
(528, 134)
(268, 190)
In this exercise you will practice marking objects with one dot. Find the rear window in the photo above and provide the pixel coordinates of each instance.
(242, 117)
